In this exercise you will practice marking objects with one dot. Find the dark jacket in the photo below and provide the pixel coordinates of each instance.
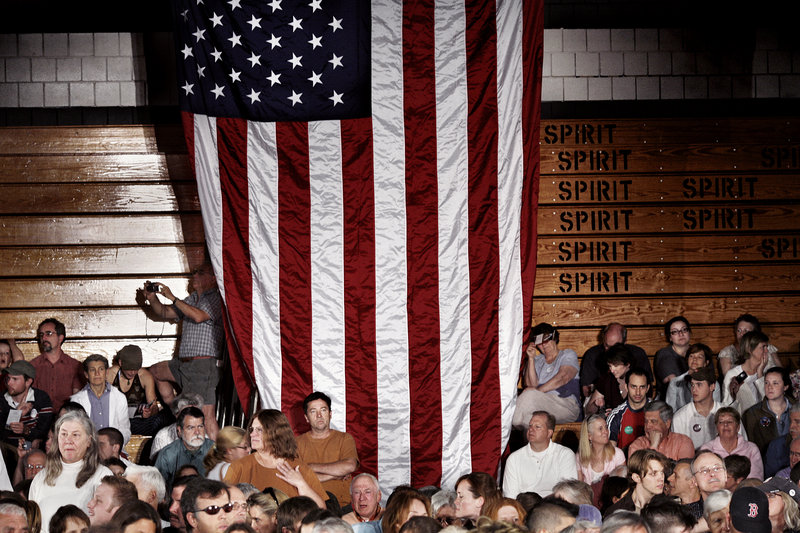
(37, 421)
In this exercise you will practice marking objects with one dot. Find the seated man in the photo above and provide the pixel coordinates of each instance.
(331, 454)
(110, 443)
(551, 379)
(200, 496)
(176, 520)
(658, 435)
(646, 471)
(150, 486)
(626, 422)
(730, 441)
(541, 464)
(549, 518)
(715, 511)
(592, 363)
(365, 497)
(665, 514)
(679, 391)
(749, 511)
(25, 412)
(696, 418)
(109, 496)
(105, 405)
(777, 457)
(683, 485)
(13, 518)
(169, 433)
(139, 388)
(191, 447)
(709, 473)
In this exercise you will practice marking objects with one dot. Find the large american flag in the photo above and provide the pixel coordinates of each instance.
(368, 174)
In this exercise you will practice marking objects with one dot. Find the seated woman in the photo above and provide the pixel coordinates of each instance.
(404, 503)
(474, 493)
(729, 356)
(230, 445)
(507, 510)
(679, 391)
(730, 441)
(551, 379)
(597, 458)
(743, 385)
(769, 419)
(139, 387)
(610, 389)
(669, 361)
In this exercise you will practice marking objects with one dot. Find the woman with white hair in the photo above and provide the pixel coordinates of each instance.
(72, 471)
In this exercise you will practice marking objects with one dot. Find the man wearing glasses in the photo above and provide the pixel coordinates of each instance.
(58, 374)
(206, 506)
(709, 473)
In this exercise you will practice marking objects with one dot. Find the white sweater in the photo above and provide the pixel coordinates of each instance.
(64, 491)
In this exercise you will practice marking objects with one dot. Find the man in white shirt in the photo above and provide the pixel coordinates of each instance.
(541, 464)
(696, 418)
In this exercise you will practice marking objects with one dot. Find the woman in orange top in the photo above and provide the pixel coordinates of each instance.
(275, 462)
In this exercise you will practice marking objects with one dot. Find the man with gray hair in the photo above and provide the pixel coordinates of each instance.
(658, 435)
(443, 507)
(365, 497)
(332, 525)
(574, 491)
(715, 510)
(169, 434)
(149, 484)
(13, 518)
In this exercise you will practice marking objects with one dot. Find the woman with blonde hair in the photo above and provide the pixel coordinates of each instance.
(506, 510)
(262, 509)
(403, 504)
(230, 446)
(596, 457)
(276, 462)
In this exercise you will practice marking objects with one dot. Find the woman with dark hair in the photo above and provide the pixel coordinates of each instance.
(69, 519)
(403, 504)
(669, 362)
(72, 471)
(474, 492)
(275, 461)
(610, 388)
(729, 356)
(550, 378)
(679, 391)
(136, 517)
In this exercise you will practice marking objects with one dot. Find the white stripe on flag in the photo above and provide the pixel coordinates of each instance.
(206, 161)
(391, 339)
(509, 196)
(454, 288)
(262, 177)
(327, 264)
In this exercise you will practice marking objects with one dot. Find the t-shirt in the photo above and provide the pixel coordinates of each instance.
(625, 425)
(336, 447)
(593, 365)
(546, 371)
(247, 470)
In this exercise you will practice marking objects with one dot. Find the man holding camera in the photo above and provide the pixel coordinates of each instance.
(195, 370)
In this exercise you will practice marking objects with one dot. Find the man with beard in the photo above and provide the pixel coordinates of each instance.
(25, 412)
(190, 448)
(176, 521)
(58, 374)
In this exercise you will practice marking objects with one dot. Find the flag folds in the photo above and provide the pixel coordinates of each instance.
(368, 174)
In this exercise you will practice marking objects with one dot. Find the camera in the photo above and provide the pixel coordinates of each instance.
(741, 377)
(151, 287)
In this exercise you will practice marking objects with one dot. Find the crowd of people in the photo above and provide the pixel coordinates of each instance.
(697, 442)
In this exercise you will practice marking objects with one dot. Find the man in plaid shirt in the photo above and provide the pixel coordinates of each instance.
(195, 370)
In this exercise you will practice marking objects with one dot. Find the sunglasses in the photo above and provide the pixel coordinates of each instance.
(214, 509)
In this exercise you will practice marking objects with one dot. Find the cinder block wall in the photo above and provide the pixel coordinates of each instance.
(56, 70)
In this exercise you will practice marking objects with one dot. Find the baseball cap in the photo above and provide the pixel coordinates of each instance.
(21, 368)
(130, 357)
(749, 511)
(590, 514)
(783, 485)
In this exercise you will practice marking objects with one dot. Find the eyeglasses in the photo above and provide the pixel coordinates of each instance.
(679, 331)
(239, 505)
(214, 509)
(713, 470)
(451, 520)
(45, 334)
(39, 467)
(791, 454)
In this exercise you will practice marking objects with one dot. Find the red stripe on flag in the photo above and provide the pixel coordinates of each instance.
(485, 408)
(422, 236)
(361, 372)
(188, 133)
(532, 54)
(237, 274)
(294, 256)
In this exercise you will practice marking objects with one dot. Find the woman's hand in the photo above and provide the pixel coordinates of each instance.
(290, 475)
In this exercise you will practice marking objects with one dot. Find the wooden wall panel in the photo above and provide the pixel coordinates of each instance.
(642, 220)
(89, 214)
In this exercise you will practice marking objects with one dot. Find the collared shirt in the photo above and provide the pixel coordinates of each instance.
(743, 447)
(676, 446)
(59, 380)
(203, 338)
(100, 406)
(697, 427)
(176, 454)
(530, 471)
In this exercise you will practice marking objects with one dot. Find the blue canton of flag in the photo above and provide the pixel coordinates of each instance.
(282, 60)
